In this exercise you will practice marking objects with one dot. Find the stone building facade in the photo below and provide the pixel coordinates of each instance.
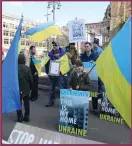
(120, 12)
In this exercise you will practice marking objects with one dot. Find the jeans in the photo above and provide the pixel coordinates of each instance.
(61, 81)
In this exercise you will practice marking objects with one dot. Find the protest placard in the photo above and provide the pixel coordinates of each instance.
(73, 112)
(77, 31)
(108, 112)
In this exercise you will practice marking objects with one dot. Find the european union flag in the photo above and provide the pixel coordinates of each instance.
(10, 83)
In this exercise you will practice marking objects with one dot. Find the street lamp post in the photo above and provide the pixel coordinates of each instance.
(47, 15)
(56, 5)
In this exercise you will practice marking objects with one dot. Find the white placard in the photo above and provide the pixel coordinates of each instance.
(77, 31)
(54, 69)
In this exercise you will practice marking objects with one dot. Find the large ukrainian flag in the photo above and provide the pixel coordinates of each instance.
(10, 83)
(43, 31)
(113, 67)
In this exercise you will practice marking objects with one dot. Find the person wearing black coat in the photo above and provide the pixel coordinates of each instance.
(34, 93)
(25, 87)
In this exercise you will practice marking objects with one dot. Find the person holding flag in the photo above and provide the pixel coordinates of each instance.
(59, 54)
(34, 93)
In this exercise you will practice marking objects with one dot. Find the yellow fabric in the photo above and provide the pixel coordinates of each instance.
(44, 61)
(117, 88)
(38, 67)
(19, 47)
(64, 66)
(46, 33)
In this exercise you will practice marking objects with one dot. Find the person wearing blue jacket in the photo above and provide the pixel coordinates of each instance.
(88, 56)
(96, 48)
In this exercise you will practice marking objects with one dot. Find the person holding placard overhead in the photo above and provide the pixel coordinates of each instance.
(56, 66)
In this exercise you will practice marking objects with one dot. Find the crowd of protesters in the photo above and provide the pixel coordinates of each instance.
(75, 79)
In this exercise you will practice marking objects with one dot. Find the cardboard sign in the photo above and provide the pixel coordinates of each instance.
(74, 112)
(77, 31)
(108, 112)
(25, 134)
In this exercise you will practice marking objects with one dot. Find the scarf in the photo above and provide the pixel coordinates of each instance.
(55, 56)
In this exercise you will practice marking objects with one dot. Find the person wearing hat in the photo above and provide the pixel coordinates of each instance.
(96, 47)
(79, 80)
(25, 86)
(55, 54)
(72, 53)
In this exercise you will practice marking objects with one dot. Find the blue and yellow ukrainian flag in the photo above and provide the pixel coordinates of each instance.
(10, 83)
(64, 63)
(43, 31)
(37, 64)
(113, 67)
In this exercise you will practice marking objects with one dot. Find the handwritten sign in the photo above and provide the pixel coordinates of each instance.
(77, 31)
(25, 134)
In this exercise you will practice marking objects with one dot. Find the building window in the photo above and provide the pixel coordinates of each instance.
(11, 41)
(6, 41)
(12, 26)
(36, 44)
(6, 33)
(4, 25)
(12, 34)
(22, 36)
(44, 44)
(22, 42)
(40, 45)
(27, 43)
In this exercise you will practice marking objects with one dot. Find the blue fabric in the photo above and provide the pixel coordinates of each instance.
(92, 57)
(52, 55)
(10, 83)
(35, 61)
(122, 50)
(99, 51)
(38, 28)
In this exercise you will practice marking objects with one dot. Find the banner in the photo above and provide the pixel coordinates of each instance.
(26, 134)
(73, 112)
(77, 31)
(93, 76)
(108, 112)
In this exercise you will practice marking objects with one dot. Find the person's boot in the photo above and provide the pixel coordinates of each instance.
(49, 104)
(20, 119)
(34, 98)
(26, 119)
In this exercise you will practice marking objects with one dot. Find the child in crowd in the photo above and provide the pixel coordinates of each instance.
(79, 79)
